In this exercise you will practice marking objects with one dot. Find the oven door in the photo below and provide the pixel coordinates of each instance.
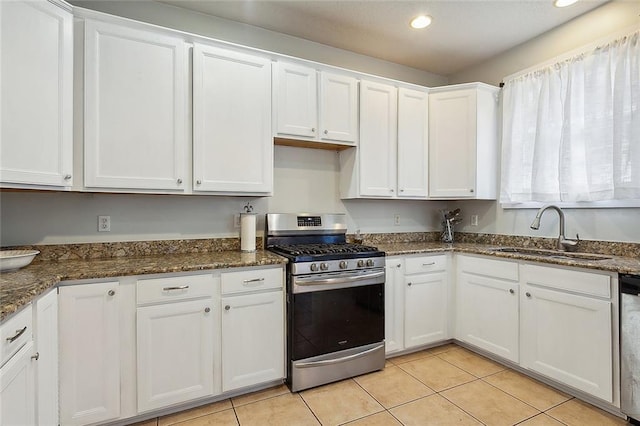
(334, 312)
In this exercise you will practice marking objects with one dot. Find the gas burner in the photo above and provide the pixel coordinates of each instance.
(320, 249)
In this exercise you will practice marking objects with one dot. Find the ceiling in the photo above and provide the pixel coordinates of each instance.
(463, 32)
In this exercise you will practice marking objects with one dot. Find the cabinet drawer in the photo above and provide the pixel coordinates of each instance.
(250, 280)
(488, 267)
(417, 265)
(15, 333)
(158, 290)
(588, 283)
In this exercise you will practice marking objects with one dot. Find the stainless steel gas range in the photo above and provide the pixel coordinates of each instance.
(335, 299)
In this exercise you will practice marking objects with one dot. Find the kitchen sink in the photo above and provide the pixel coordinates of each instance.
(555, 254)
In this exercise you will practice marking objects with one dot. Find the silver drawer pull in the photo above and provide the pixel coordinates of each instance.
(429, 264)
(180, 287)
(36, 356)
(255, 280)
(18, 334)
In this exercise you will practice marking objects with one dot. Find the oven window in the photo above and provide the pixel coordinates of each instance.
(322, 322)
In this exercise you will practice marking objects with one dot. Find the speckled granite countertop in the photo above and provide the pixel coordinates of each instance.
(20, 287)
(625, 265)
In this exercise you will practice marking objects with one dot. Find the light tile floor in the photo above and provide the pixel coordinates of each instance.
(447, 385)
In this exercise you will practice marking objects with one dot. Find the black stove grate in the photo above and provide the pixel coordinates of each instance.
(321, 249)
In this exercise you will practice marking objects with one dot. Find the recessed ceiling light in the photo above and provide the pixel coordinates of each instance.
(564, 3)
(421, 21)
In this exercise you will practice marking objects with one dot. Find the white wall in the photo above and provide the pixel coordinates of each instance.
(583, 30)
(304, 180)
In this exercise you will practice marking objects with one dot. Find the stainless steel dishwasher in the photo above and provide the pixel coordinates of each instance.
(630, 346)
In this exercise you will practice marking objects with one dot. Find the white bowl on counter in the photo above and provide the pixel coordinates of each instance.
(10, 260)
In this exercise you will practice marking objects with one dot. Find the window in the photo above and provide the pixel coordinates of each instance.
(571, 130)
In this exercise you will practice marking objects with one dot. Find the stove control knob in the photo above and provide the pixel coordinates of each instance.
(324, 266)
(314, 267)
(360, 263)
(369, 262)
(343, 264)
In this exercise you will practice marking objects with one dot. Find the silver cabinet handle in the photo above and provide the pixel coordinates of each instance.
(36, 356)
(67, 177)
(179, 181)
(326, 132)
(254, 280)
(527, 294)
(111, 292)
(198, 182)
(402, 190)
(179, 287)
(409, 284)
(392, 190)
(429, 264)
(207, 310)
(512, 291)
(471, 190)
(313, 130)
(227, 307)
(398, 265)
(18, 334)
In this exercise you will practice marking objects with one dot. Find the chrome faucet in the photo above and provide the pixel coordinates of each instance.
(563, 243)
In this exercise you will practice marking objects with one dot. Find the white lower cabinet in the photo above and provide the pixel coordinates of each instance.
(252, 327)
(567, 323)
(89, 348)
(46, 340)
(394, 305)
(175, 340)
(417, 299)
(17, 392)
(487, 313)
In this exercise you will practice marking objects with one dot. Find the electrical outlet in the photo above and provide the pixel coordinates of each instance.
(396, 219)
(474, 220)
(236, 220)
(104, 223)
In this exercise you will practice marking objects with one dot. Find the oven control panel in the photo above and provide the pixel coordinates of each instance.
(302, 268)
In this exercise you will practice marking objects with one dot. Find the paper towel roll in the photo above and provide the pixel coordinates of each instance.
(247, 232)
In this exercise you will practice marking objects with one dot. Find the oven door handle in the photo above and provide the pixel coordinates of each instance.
(338, 280)
(337, 360)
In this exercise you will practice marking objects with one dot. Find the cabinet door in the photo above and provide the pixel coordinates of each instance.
(252, 339)
(393, 306)
(425, 309)
(413, 138)
(135, 108)
(378, 137)
(232, 139)
(37, 82)
(338, 108)
(175, 353)
(46, 337)
(89, 348)
(568, 338)
(17, 392)
(452, 144)
(296, 100)
(487, 314)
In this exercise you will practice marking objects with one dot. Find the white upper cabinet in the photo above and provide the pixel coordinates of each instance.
(413, 139)
(135, 108)
(296, 100)
(324, 112)
(36, 146)
(463, 141)
(378, 139)
(391, 159)
(338, 108)
(232, 145)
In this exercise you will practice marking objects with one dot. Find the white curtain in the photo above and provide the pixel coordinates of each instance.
(571, 131)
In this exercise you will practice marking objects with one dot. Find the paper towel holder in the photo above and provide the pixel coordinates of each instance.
(248, 229)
